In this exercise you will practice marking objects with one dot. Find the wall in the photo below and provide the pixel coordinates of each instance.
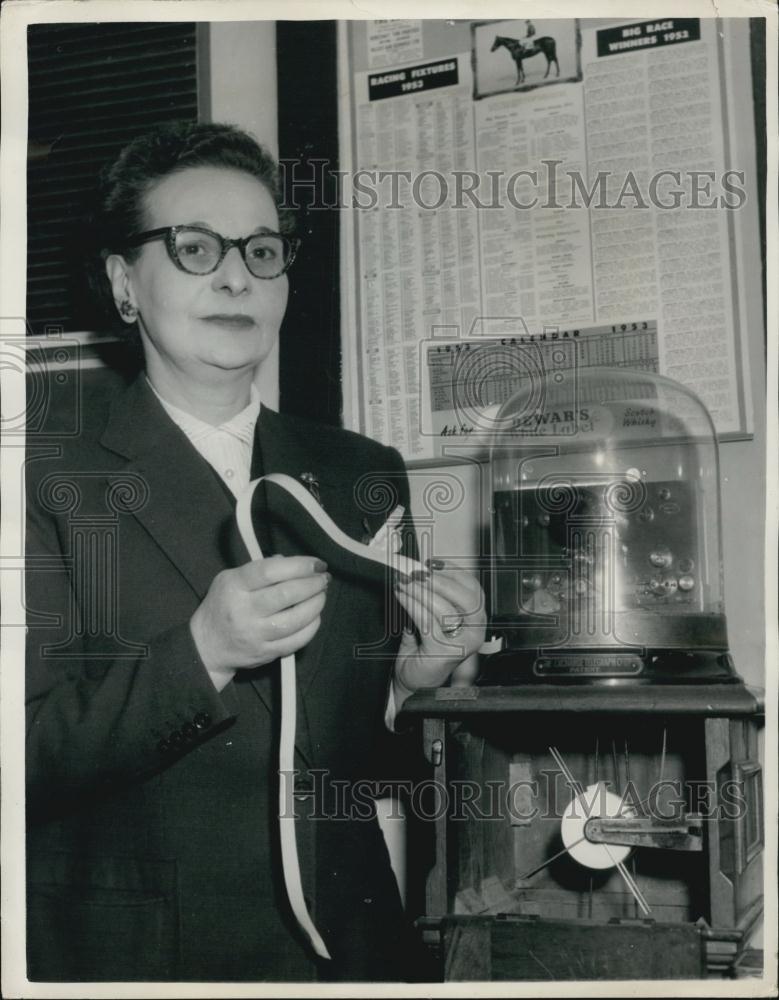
(241, 69)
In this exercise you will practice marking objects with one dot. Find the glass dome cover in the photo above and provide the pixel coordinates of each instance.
(605, 517)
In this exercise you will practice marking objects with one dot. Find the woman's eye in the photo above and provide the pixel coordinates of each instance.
(193, 249)
(264, 252)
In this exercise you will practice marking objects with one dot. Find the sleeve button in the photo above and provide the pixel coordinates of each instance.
(175, 739)
(202, 720)
(188, 731)
(163, 746)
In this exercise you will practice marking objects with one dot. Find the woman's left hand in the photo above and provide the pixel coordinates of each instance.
(447, 607)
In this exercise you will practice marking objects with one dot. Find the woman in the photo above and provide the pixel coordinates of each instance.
(154, 640)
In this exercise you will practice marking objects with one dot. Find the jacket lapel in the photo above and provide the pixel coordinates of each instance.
(185, 500)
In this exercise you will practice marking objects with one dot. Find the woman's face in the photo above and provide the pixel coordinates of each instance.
(204, 326)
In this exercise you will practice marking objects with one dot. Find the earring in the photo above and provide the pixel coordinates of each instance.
(127, 310)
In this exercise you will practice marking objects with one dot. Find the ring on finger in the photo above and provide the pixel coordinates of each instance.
(454, 628)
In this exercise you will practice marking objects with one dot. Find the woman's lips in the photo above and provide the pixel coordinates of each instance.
(231, 321)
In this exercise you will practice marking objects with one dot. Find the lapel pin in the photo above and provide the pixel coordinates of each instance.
(310, 481)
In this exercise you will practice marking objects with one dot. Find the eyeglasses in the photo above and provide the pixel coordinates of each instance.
(198, 250)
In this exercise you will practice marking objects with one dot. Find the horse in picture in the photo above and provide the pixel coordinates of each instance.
(520, 51)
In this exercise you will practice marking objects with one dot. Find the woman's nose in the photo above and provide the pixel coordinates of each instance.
(232, 274)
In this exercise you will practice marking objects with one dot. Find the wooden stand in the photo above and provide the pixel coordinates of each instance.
(498, 908)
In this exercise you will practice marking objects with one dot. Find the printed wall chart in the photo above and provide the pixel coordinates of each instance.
(531, 182)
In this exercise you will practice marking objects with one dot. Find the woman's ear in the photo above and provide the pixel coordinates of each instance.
(121, 287)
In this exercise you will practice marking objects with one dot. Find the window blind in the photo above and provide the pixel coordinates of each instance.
(92, 88)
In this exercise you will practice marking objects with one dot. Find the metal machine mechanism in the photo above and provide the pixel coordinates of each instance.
(602, 776)
(606, 533)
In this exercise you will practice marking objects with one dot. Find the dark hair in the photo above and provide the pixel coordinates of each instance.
(118, 211)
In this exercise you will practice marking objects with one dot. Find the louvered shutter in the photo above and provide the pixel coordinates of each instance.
(93, 87)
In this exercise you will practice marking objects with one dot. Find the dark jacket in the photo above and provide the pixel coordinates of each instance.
(152, 850)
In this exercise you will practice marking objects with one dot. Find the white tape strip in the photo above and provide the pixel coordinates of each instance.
(289, 850)
(492, 645)
(373, 553)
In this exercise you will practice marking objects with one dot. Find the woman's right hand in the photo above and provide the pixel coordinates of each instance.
(263, 610)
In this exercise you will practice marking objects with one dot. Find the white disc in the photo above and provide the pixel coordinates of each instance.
(594, 801)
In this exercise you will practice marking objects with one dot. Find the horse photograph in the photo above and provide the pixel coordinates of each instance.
(523, 55)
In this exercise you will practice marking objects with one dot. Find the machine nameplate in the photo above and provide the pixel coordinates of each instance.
(607, 663)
